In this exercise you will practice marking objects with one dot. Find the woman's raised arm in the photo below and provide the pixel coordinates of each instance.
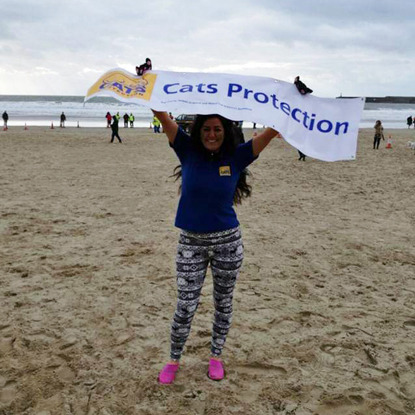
(261, 140)
(169, 126)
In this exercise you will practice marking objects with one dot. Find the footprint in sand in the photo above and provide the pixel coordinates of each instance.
(65, 374)
(8, 392)
(411, 360)
(6, 344)
(260, 369)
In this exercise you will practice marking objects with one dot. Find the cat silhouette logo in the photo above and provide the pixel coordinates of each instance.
(125, 85)
(225, 171)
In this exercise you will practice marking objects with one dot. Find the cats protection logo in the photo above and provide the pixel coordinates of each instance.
(124, 85)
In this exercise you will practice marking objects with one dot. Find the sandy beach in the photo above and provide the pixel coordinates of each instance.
(324, 311)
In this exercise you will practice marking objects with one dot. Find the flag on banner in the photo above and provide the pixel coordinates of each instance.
(323, 128)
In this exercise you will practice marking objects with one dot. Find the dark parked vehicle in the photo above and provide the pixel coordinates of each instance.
(185, 121)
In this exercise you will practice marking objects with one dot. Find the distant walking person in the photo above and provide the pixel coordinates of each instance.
(63, 119)
(409, 121)
(378, 134)
(114, 128)
(109, 119)
(5, 119)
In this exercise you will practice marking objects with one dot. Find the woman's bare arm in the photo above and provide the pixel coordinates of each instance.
(261, 140)
(169, 126)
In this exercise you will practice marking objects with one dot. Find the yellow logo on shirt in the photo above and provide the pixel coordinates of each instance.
(225, 171)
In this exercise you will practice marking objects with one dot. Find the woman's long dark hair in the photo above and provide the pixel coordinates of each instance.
(233, 136)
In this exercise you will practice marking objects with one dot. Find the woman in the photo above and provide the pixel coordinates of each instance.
(378, 134)
(213, 171)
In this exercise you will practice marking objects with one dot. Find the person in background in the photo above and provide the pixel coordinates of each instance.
(238, 132)
(5, 117)
(156, 124)
(302, 155)
(118, 116)
(142, 69)
(378, 134)
(114, 128)
(303, 89)
(126, 118)
(409, 121)
(63, 119)
(109, 119)
(131, 119)
(171, 116)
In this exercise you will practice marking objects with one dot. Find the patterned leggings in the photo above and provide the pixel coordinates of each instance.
(224, 252)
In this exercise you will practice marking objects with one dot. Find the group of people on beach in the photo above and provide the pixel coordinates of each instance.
(128, 119)
(113, 123)
(379, 131)
(5, 117)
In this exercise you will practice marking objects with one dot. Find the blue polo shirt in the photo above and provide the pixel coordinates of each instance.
(208, 186)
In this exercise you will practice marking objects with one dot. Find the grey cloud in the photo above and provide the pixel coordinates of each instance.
(344, 10)
(324, 39)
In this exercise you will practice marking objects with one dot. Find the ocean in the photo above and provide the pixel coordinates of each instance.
(43, 110)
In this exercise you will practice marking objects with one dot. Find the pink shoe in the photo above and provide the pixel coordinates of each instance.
(216, 370)
(168, 373)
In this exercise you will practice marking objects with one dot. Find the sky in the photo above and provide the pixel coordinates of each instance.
(338, 47)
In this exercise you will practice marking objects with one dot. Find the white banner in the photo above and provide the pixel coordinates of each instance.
(323, 128)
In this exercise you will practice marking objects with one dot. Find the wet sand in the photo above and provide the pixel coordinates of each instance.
(324, 312)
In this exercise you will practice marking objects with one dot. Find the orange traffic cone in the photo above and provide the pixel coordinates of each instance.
(389, 143)
(52, 127)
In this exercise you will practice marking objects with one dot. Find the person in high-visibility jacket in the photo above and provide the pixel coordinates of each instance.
(156, 124)
(131, 119)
